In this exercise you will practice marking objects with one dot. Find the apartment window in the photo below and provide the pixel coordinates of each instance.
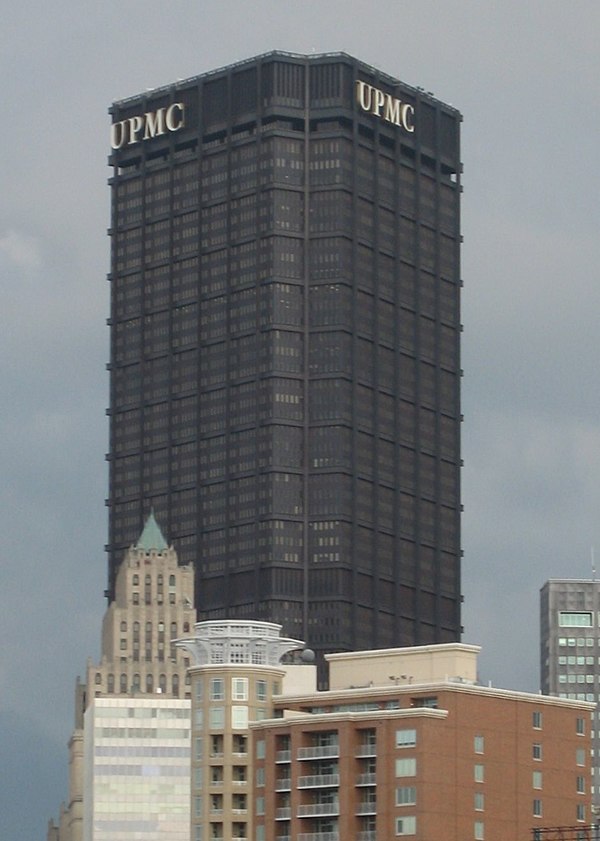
(216, 718)
(478, 744)
(580, 727)
(217, 689)
(582, 619)
(478, 801)
(537, 808)
(537, 750)
(260, 806)
(478, 831)
(580, 812)
(199, 685)
(406, 796)
(239, 689)
(259, 777)
(198, 748)
(406, 767)
(536, 779)
(580, 756)
(406, 738)
(478, 773)
(537, 719)
(260, 749)
(580, 785)
(239, 717)
(406, 825)
(261, 690)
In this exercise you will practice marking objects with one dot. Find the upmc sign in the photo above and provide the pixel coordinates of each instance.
(385, 106)
(144, 126)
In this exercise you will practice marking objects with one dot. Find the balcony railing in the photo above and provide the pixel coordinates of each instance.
(285, 784)
(319, 752)
(319, 836)
(319, 780)
(367, 807)
(366, 750)
(315, 810)
(366, 779)
(283, 814)
(283, 756)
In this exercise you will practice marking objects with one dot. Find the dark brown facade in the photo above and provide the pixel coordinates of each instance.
(285, 346)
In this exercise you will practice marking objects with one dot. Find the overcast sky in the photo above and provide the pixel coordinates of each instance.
(526, 78)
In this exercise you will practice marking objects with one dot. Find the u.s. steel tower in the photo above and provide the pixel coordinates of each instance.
(284, 370)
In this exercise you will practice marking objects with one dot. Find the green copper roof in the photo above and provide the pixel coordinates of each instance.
(152, 537)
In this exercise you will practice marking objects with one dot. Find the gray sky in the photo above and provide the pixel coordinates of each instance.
(525, 76)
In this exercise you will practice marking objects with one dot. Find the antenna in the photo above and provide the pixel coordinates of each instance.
(593, 563)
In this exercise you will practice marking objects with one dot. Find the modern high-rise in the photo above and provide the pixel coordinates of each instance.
(570, 649)
(285, 374)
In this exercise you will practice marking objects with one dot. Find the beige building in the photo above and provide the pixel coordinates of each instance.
(236, 674)
(153, 605)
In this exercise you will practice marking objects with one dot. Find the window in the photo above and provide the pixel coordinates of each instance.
(406, 826)
(406, 796)
(239, 717)
(537, 808)
(216, 718)
(406, 738)
(536, 779)
(478, 773)
(580, 812)
(260, 806)
(217, 690)
(580, 756)
(537, 719)
(478, 831)
(478, 801)
(260, 749)
(199, 689)
(537, 750)
(406, 767)
(580, 785)
(478, 744)
(580, 727)
(575, 620)
(259, 777)
(239, 688)
(261, 690)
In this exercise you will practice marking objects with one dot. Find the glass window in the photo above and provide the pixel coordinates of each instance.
(260, 805)
(261, 690)
(537, 750)
(582, 619)
(259, 777)
(580, 727)
(406, 796)
(537, 808)
(406, 825)
(478, 773)
(580, 785)
(537, 719)
(478, 801)
(216, 718)
(580, 812)
(536, 779)
(478, 744)
(199, 686)
(239, 717)
(406, 738)
(260, 749)
(478, 831)
(580, 756)
(217, 689)
(406, 767)
(239, 688)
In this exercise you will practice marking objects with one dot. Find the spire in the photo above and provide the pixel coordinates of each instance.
(152, 537)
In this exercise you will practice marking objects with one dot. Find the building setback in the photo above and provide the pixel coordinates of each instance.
(570, 648)
(285, 346)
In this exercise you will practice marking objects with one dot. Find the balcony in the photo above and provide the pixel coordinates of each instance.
(318, 810)
(283, 756)
(321, 752)
(285, 784)
(367, 807)
(366, 750)
(319, 780)
(319, 836)
(283, 814)
(366, 779)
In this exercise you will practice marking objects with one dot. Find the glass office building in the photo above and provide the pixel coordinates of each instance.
(285, 374)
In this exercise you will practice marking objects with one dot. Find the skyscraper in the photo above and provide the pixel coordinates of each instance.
(285, 345)
(570, 648)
